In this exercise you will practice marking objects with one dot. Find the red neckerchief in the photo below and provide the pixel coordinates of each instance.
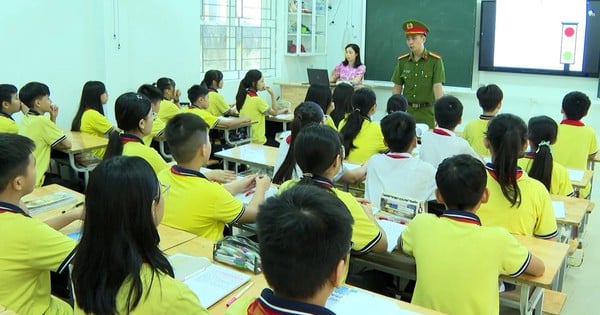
(396, 155)
(492, 172)
(127, 137)
(288, 139)
(462, 216)
(252, 92)
(441, 131)
(572, 122)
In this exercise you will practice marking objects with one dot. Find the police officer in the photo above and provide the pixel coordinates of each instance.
(419, 74)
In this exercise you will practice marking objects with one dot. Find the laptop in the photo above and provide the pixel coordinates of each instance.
(318, 77)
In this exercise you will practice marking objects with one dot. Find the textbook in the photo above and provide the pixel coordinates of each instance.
(349, 300)
(48, 202)
(400, 209)
(210, 282)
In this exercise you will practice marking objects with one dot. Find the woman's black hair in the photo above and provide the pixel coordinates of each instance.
(320, 95)
(90, 99)
(248, 82)
(362, 101)
(164, 83)
(130, 108)
(151, 92)
(306, 113)
(118, 236)
(210, 76)
(542, 131)
(316, 147)
(357, 61)
(507, 134)
(342, 98)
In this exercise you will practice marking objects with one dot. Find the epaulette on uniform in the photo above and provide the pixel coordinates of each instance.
(434, 55)
(403, 56)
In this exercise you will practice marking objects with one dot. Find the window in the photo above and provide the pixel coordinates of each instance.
(238, 35)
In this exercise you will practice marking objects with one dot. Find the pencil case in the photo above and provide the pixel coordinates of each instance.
(238, 251)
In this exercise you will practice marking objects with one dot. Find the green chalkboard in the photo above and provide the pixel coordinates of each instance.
(452, 35)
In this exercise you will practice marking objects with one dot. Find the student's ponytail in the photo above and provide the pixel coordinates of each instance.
(542, 131)
(114, 147)
(316, 147)
(248, 82)
(304, 114)
(506, 134)
(362, 102)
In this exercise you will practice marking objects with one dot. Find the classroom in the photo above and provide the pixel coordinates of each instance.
(125, 44)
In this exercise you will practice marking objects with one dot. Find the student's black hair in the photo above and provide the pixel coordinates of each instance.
(90, 99)
(542, 130)
(461, 180)
(130, 108)
(342, 98)
(16, 152)
(118, 236)
(507, 133)
(576, 105)
(164, 83)
(210, 76)
(304, 114)
(316, 147)
(362, 101)
(6, 92)
(185, 133)
(489, 97)
(398, 131)
(320, 95)
(248, 82)
(32, 91)
(196, 91)
(303, 234)
(151, 92)
(357, 61)
(448, 112)
(396, 103)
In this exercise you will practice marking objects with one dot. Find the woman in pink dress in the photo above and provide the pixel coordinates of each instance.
(351, 69)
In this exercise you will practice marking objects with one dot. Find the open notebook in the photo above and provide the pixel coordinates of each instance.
(208, 281)
(348, 301)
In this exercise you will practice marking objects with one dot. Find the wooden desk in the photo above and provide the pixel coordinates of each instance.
(257, 155)
(171, 237)
(59, 208)
(584, 182)
(575, 211)
(285, 119)
(81, 143)
(203, 247)
(295, 93)
(226, 132)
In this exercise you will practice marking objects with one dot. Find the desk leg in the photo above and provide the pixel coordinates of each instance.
(531, 303)
(557, 285)
(85, 170)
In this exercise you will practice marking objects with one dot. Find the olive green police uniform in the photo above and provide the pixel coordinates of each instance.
(418, 77)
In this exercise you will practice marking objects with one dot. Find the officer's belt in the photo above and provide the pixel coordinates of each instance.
(418, 105)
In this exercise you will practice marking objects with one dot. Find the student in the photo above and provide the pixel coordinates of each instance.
(199, 102)
(285, 164)
(41, 129)
(135, 117)
(30, 248)
(389, 172)
(90, 117)
(196, 204)
(213, 80)
(467, 280)
(362, 137)
(250, 105)
(442, 142)
(322, 96)
(490, 100)
(292, 227)
(319, 153)
(576, 143)
(169, 106)
(517, 202)
(351, 69)
(342, 98)
(539, 164)
(396, 103)
(118, 267)
(155, 97)
(10, 104)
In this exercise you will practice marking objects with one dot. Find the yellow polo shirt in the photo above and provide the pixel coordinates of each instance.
(573, 146)
(167, 110)
(161, 295)
(7, 123)
(29, 250)
(197, 205)
(137, 148)
(256, 108)
(158, 127)
(474, 133)
(217, 104)
(365, 233)
(329, 122)
(94, 123)
(560, 183)
(535, 216)
(368, 142)
(45, 134)
(459, 261)
(210, 119)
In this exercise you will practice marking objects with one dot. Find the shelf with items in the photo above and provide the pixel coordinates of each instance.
(306, 28)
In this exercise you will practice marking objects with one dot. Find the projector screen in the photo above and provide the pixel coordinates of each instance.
(540, 36)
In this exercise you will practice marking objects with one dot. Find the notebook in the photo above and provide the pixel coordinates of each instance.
(348, 301)
(49, 202)
(318, 77)
(210, 282)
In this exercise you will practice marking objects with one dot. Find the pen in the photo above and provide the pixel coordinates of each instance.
(237, 296)
(249, 192)
(79, 204)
